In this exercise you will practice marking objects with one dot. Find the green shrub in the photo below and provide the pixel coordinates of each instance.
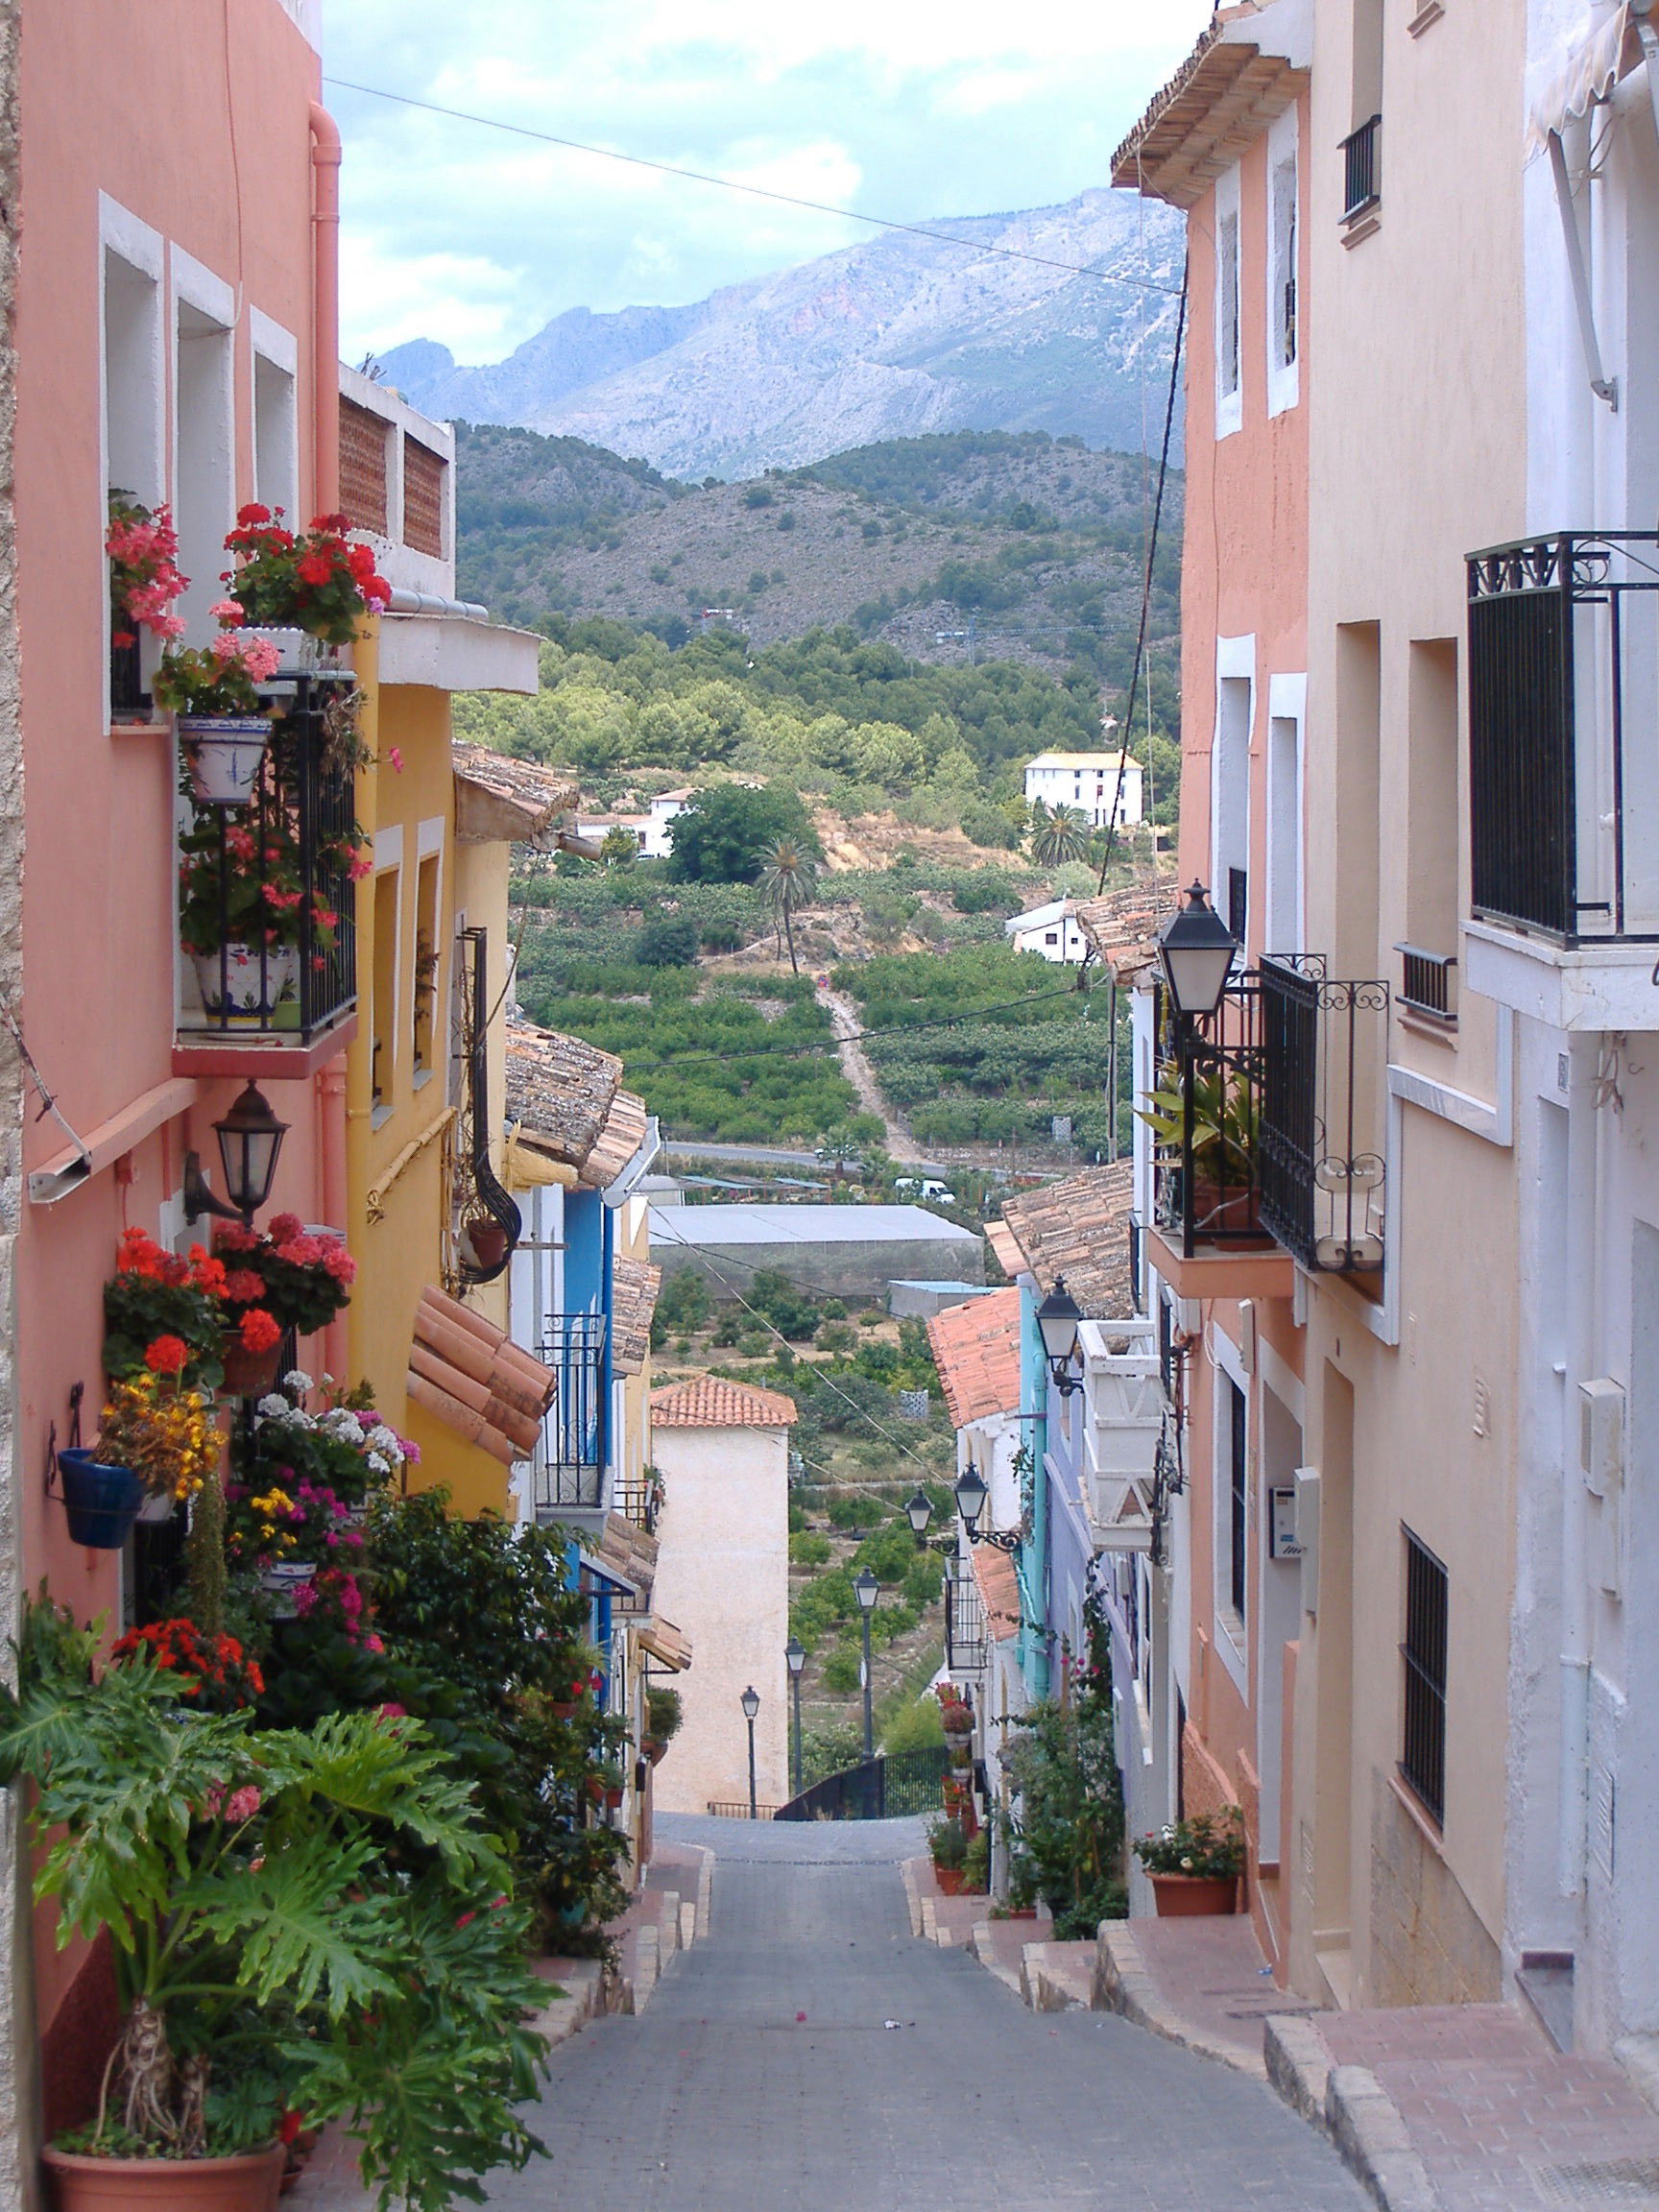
(808, 1549)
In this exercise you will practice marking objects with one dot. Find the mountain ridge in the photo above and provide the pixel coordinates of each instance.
(899, 336)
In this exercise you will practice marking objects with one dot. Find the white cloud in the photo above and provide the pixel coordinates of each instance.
(908, 108)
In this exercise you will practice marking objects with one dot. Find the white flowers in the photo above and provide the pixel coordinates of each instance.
(297, 1381)
(273, 1407)
(377, 1465)
(342, 1423)
(385, 1442)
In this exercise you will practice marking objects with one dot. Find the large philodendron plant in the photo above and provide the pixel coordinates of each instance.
(1225, 1122)
(308, 1924)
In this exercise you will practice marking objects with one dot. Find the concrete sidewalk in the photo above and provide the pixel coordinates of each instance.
(1436, 2108)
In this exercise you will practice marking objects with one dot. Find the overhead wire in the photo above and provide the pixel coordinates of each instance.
(752, 191)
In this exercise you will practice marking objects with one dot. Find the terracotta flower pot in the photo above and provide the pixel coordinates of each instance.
(1179, 1895)
(949, 1880)
(1237, 1214)
(80, 2184)
(488, 1238)
(248, 1373)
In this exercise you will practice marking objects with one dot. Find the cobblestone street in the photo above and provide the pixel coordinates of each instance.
(764, 2074)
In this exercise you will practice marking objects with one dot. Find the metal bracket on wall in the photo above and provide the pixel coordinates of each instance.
(76, 1391)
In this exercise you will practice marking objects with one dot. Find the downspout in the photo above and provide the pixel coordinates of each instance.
(325, 155)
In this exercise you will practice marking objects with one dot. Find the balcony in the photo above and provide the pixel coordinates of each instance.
(1563, 813)
(569, 1473)
(965, 1638)
(1123, 1418)
(1321, 1158)
(1207, 1238)
(267, 926)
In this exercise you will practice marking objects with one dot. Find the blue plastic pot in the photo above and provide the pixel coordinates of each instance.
(102, 1501)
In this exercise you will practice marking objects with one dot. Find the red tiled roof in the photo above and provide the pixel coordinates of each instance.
(1080, 1229)
(998, 1590)
(977, 1346)
(708, 1402)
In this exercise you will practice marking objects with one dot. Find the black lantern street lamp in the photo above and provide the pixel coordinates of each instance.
(249, 1140)
(751, 1704)
(795, 1659)
(1057, 1320)
(1196, 950)
(970, 1496)
(918, 1511)
(866, 1589)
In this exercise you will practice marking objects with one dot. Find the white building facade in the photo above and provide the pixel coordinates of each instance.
(1089, 782)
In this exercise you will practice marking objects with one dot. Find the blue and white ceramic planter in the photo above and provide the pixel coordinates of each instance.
(222, 752)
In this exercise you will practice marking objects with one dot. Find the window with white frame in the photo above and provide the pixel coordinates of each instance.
(1281, 911)
(1283, 332)
(1230, 785)
(1228, 411)
(204, 434)
(275, 415)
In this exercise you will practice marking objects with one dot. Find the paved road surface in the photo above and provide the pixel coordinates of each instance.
(761, 2077)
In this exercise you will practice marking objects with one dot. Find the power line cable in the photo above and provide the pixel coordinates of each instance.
(1146, 586)
(754, 191)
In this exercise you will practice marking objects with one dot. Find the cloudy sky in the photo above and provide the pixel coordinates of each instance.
(908, 109)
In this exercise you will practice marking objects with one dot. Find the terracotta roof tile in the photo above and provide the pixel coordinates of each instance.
(1080, 1229)
(502, 801)
(1120, 926)
(560, 1091)
(998, 1590)
(1004, 1242)
(977, 1347)
(708, 1402)
(1225, 93)
(634, 1284)
(620, 1136)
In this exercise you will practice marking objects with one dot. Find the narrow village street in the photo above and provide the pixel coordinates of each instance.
(765, 2072)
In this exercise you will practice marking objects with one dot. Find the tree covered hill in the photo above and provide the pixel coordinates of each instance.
(961, 548)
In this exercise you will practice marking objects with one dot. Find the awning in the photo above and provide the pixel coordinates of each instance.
(1581, 73)
(666, 1643)
(599, 1581)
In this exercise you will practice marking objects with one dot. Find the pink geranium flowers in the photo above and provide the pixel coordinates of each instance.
(144, 579)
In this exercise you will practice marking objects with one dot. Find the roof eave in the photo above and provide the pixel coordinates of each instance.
(1240, 76)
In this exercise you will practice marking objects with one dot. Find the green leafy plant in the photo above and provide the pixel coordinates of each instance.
(1225, 1122)
(947, 1843)
(1207, 1843)
(313, 1920)
(664, 1712)
(976, 1861)
(1068, 1824)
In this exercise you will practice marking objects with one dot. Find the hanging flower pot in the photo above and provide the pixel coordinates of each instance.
(301, 653)
(247, 2184)
(102, 1501)
(487, 1238)
(238, 990)
(158, 1508)
(284, 1579)
(248, 1373)
(222, 752)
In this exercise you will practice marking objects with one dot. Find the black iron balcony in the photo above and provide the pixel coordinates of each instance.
(1361, 185)
(266, 901)
(569, 1467)
(1563, 817)
(1320, 1151)
(1204, 1120)
(964, 1618)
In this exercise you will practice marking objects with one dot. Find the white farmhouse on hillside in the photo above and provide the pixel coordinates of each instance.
(650, 830)
(1089, 782)
(1051, 930)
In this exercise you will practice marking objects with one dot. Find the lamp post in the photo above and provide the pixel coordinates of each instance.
(866, 1589)
(249, 1140)
(970, 1496)
(751, 1704)
(795, 1658)
(1195, 950)
(1057, 1320)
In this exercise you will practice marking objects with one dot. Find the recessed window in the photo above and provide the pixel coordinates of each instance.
(1423, 1755)
(204, 459)
(1284, 279)
(426, 990)
(1238, 1492)
(1227, 305)
(275, 456)
(383, 1019)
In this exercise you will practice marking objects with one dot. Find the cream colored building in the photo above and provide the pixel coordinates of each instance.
(1089, 782)
(722, 1577)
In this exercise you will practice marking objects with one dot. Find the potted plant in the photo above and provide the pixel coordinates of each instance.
(284, 1277)
(144, 583)
(1194, 1865)
(1225, 1125)
(976, 1863)
(663, 1714)
(156, 1301)
(316, 581)
(947, 1847)
(307, 1924)
(159, 1430)
(212, 690)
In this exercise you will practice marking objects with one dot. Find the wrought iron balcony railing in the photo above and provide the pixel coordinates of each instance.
(1563, 815)
(1204, 1120)
(266, 902)
(1361, 173)
(1321, 1157)
(964, 1618)
(1425, 983)
(571, 1460)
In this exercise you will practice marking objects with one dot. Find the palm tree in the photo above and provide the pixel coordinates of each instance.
(785, 881)
(1058, 834)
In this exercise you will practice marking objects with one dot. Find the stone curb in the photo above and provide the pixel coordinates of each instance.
(912, 1897)
(1298, 2064)
(1048, 1984)
(1365, 2125)
(982, 1943)
(582, 1981)
(1122, 1984)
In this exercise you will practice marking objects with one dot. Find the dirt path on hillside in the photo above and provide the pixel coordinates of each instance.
(855, 1067)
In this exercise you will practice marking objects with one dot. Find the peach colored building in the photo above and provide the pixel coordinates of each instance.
(1225, 140)
(722, 1577)
(169, 330)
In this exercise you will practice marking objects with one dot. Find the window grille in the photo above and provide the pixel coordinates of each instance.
(1423, 1763)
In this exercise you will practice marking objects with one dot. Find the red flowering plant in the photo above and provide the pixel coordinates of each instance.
(316, 581)
(214, 1673)
(144, 579)
(221, 678)
(300, 1276)
(164, 1315)
(242, 883)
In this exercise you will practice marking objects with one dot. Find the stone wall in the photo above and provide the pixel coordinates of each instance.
(1428, 1947)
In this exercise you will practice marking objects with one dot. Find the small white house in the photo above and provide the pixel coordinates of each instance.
(1051, 930)
(1089, 782)
(650, 830)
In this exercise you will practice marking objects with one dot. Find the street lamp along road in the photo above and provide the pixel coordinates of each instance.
(970, 1496)
(1057, 1319)
(751, 1704)
(866, 1589)
(795, 1659)
(249, 1140)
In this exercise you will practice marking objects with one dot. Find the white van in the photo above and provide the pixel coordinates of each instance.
(924, 1187)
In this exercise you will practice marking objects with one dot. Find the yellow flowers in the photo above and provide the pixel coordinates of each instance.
(164, 1434)
(271, 1506)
